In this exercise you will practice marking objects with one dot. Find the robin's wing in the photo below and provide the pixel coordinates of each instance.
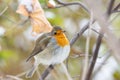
(40, 45)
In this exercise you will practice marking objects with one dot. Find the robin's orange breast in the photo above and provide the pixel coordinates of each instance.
(62, 39)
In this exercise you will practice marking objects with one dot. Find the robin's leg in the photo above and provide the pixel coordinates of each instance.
(33, 69)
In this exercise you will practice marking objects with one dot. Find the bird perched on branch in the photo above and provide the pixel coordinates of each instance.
(50, 48)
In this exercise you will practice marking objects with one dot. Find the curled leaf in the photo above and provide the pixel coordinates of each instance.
(32, 9)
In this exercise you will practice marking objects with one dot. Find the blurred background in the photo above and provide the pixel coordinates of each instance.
(16, 42)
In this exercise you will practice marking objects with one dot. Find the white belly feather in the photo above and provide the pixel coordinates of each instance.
(59, 56)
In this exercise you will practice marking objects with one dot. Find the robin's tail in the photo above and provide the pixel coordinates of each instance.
(30, 73)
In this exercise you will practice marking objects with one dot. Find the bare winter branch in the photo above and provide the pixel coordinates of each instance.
(4, 10)
(72, 3)
(116, 9)
(106, 57)
(46, 72)
(110, 6)
(95, 54)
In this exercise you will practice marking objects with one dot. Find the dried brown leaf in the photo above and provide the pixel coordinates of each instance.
(38, 20)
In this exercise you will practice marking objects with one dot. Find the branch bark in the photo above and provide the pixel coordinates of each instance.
(46, 72)
(3, 10)
(116, 9)
(110, 6)
(72, 3)
(95, 54)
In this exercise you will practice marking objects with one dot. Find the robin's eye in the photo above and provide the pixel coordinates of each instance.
(55, 33)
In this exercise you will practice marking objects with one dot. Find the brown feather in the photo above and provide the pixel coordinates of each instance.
(40, 45)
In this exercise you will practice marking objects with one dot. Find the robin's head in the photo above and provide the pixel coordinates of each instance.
(59, 35)
(57, 31)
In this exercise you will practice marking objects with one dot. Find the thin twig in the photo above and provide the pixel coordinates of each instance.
(95, 31)
(87, 49)
(4, 10)
(116, 16)
(66, 71)
(9, 19)
(23, 22)
(67, 60)
(95, 54)
(72, 3)
(76, 36)
(21, 74)
(115, 11)
(46, 72)
(13, 77)
(106, 57)
(116, 8)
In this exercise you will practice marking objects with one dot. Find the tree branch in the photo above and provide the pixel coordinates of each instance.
(3, 10)
(63, 4)
(105, 58)
(95, 54)
(116, 8)
(76, 36)
(110, 6)
(46, 72)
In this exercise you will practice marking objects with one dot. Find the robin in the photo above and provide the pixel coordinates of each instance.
(50, 48)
